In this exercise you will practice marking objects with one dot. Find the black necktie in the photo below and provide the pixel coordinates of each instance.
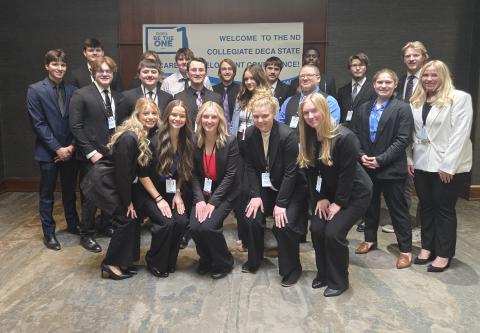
(355, 91)
(409, 88)
(185, 80)
(108, 103)
(150, 95)
(60, 97)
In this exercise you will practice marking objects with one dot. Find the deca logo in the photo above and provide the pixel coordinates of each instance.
(166, 40)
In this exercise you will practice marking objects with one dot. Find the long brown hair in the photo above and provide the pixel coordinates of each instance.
(165, 151)
(260, 78)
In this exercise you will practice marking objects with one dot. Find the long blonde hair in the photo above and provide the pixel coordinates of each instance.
(444, 94)
(222, 132)
(324, 132)
(134, 125)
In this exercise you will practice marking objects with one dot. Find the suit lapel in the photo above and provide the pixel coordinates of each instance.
(221, 160)
(52, 96)
(273, 144)
(386, 114)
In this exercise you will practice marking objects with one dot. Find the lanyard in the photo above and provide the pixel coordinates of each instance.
(207, 164)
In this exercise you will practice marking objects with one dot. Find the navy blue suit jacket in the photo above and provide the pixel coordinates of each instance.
(52, 129)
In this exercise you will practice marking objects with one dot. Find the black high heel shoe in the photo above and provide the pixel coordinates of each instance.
(130, 270)
(107, 273)
(435, 269)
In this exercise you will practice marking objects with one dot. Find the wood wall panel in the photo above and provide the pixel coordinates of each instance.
(133, 14)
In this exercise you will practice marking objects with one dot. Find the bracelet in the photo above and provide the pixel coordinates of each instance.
(178, 191)
(159, 196)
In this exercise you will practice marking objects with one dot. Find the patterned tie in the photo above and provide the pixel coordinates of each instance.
(355, 91)
(226, 108)
(199, 100)
(150, 95)
(60, 96)
(409, 88)
(108, 103)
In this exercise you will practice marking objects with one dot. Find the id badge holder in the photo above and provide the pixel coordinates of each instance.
(111, 123)
(207, 185)
(349, 115)
(294, 122)
(266, 182)
(423, 135)
(171, 185)
(318, 186)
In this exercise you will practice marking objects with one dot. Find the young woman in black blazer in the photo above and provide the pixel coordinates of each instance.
(276, 189)
(215, 162)
(384, 128)
(110, 186)
(339, 190)
(163, 197)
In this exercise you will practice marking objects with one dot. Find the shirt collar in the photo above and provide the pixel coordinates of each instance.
(360, 83)
(100, 89)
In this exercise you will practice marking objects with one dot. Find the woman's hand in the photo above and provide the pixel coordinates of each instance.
(164, 208)
(322, 208)
(131, 211)
(280, 216)
(445, 177)
(253, 206)
(411, 170)
(333, 209)
(178, 202)
(200, 211)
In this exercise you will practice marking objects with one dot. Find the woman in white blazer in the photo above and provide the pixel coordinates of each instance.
(440, 159)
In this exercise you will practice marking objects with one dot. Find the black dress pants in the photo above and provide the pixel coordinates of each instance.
(210, 241)
(124, 247)
(240, 203)
(438, 214)
(394, 194)
(166, 235)
(330, 242)
(288, 240)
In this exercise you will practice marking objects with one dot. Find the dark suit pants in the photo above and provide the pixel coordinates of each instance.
(240, 203)
(394, 194)
(166, 236)
(124, 247)
(438, 214)
(89, 208)
(287, 239)
(210, 241)
(330, 242)
(48, 177)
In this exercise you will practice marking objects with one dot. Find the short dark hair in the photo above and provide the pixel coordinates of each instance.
(198, 59)
(55, 55)
(359, 56)
(92, 42)
(310, 48)
(231, 63)
(275, 61)
(184, 51)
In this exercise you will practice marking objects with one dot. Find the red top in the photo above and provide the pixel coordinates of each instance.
(209, 167)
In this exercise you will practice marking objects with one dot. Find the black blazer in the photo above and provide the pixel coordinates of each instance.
(400, 87)
(88, 119)
(367, 93)
(282, 161)
(345, 180)
(232, 91)
(226, 161)
(189, 97)
(282, 92)
(393, 136)
(132, 95)
(81, 77)
(327, 85)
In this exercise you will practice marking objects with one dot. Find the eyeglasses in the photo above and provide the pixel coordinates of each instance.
(106, 71)
(308, 76)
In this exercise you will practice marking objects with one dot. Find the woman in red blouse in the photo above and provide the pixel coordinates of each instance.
(214, 169)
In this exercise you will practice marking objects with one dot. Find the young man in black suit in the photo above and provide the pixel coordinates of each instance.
(95, 111)
(83, 76)
(148, 74)
(228, 88)
(273, 67)
(197, 94)
(47, 106)
(358, 91)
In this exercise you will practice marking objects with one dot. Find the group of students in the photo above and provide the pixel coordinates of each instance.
(186, 156)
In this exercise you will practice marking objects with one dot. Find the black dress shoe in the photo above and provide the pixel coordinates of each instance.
(247, 269)
(220, 275)
(203, 269)
(74, 230)
(90, 244)
(419, 261)
(361, 226)
(132, 270)
(317, 283)
(290, 279)
(107, 231)
(51, 243)
(435, 269)
(107, 273)
(329, 292)
(156, 272)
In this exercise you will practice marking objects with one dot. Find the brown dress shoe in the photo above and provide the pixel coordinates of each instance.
(403, 261)
(365, 247)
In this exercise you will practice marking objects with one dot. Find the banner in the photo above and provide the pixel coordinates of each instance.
(243, 43)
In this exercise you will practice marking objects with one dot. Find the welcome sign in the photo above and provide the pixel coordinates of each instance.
(243, 43)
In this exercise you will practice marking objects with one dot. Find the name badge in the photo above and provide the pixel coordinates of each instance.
(111, 122)
(266, 182)
(349, 115)
(318, 187)
(294, 122)
(171, 185)
(423, 135)
(207, 185)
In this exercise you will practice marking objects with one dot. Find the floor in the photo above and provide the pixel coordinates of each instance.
(46, 291)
